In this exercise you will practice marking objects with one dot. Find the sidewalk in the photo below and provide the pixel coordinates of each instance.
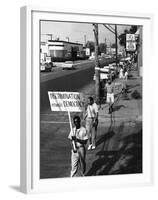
(125, 109)
(119, 136)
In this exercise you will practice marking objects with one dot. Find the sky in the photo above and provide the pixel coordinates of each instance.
(76, 32)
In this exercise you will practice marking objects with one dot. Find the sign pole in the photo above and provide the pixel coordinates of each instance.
(97, 72)
(116, 45)
(73, 142)
(70, 120)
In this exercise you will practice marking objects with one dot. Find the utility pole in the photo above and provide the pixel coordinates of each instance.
(116, 44)
(139, 51)
(97, 72)
(85, 40)
(106, 46)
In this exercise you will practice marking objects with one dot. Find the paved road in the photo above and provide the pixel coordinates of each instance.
(78, 65)
(66, 80)
(58, 72)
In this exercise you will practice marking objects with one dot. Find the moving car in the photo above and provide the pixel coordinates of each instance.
(68, 65)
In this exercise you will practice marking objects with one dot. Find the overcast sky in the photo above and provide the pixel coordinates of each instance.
(77, 31)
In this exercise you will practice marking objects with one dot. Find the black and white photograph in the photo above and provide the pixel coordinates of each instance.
(79, 100)
(90, 99)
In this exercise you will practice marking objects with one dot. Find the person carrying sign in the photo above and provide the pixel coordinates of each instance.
(109, 88)
(79, 136)
(91, 118)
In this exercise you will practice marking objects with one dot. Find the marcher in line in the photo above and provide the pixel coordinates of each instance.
(121, 73)
(109, 89)
(126, 75)
(110, 75)
(78, 155)
(124, 87)
(91, 118)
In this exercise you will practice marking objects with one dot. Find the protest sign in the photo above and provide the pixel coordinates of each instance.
(66, 101)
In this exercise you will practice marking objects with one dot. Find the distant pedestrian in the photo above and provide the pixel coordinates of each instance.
(121, 73)
(109, 89)
(124, 87)
(126, 75)
(91, 118)
(78, 155)
(110, 75)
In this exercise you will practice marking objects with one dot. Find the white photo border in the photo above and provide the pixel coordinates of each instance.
(30, 101)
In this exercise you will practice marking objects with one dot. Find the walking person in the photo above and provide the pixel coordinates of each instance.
(126, 75)
(79, 136)
(109, 89)
(91, 118)
(121, 73)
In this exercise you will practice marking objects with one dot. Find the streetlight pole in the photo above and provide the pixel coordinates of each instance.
(97, 73)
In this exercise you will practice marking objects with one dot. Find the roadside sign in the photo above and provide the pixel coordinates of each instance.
(87, 51)
(130, 42)
(66, 101)
(130, 46)
(130, 37)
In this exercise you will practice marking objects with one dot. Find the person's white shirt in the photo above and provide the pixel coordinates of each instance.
(126, 75)
(92, 110)
(80, 133)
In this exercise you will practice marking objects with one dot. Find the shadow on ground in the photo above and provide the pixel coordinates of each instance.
(127, 159)
(117, 107)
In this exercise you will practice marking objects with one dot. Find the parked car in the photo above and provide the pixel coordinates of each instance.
(107, 56)
(112, 72)
(114, 69)
(46, 67)
(91, 57)
(104, 74)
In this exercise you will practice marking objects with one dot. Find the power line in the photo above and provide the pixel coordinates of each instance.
(111, 27)
(110, 30)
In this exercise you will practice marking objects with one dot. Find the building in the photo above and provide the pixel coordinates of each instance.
(44, 50)
(62, 49)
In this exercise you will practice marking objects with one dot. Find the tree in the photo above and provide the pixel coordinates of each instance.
(133, 29)
(122, 37)
(90, 45)
(102, 47)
